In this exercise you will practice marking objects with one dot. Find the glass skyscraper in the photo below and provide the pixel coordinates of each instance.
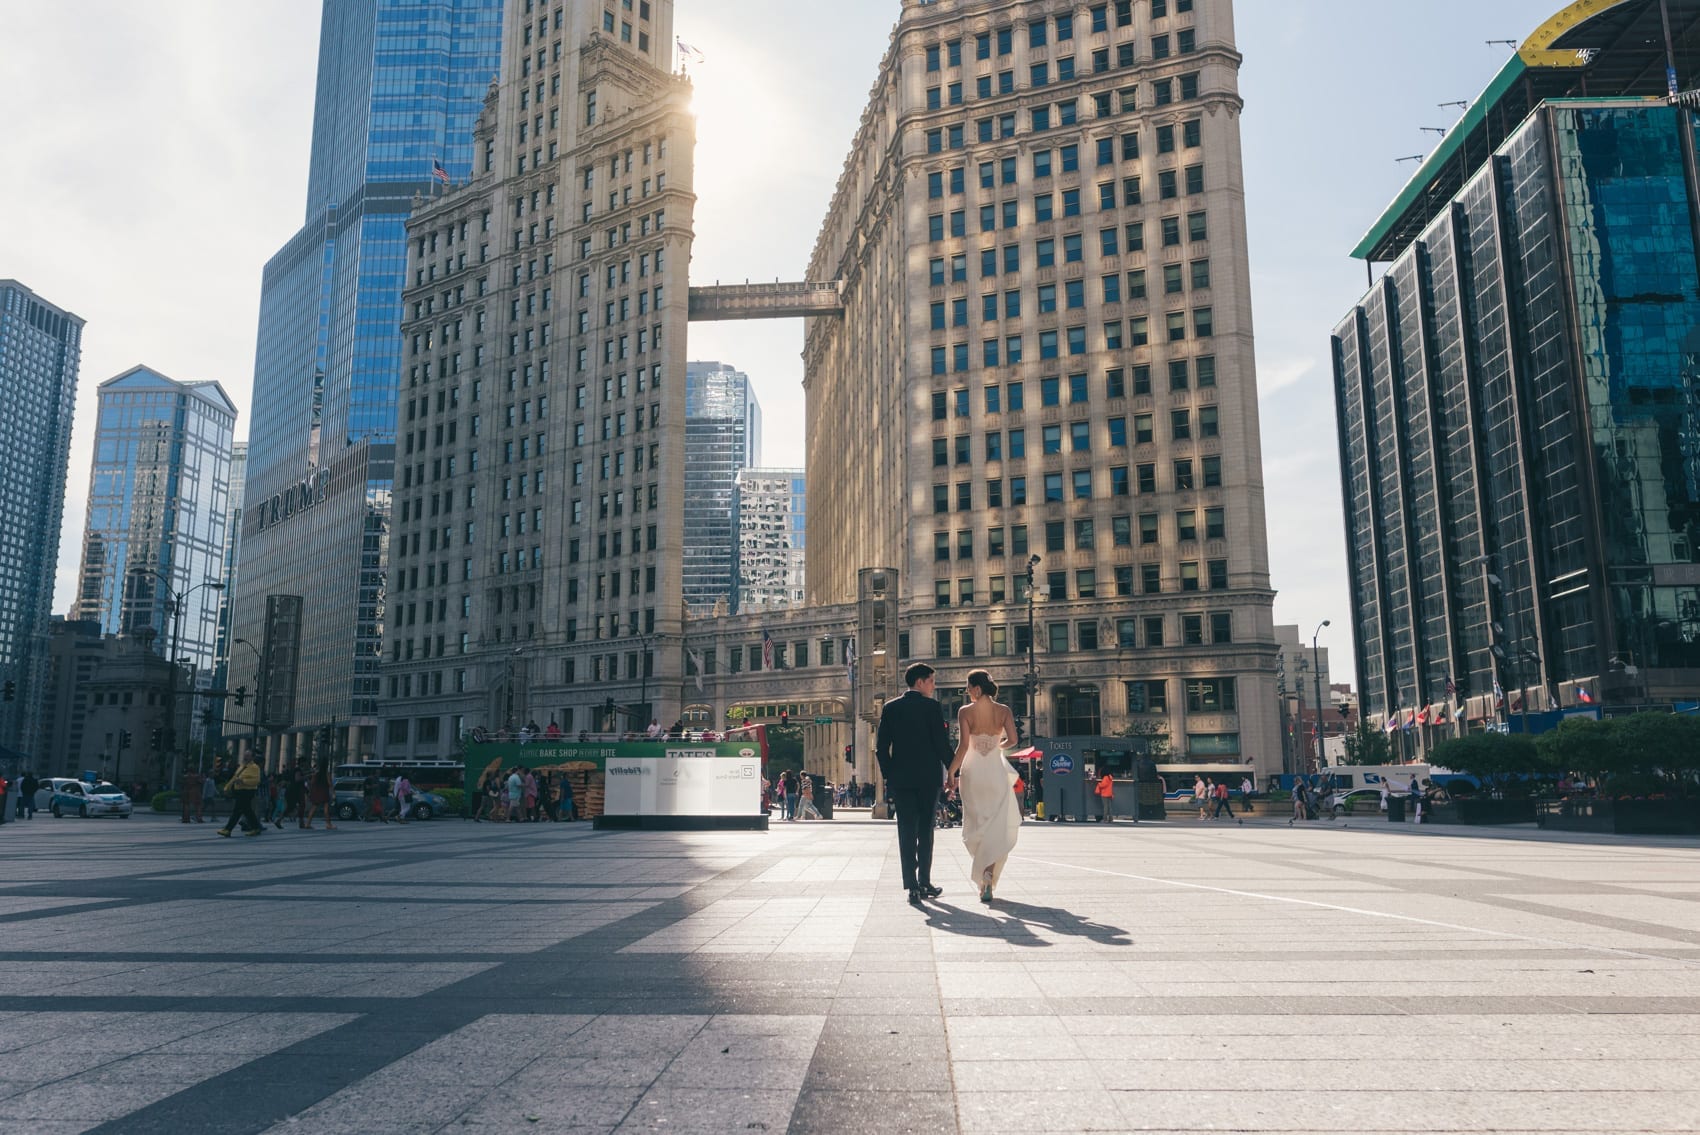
(158, 510)
(400, 86)
(1519, 396)
(722, 436)
(40, 348)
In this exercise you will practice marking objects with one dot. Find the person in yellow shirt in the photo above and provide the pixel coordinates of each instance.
(241, 788)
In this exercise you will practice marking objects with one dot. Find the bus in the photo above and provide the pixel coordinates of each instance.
(427, 775)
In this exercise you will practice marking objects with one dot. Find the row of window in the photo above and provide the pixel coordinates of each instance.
(1175, 279)
(1042, 33)
(1078, 436)
(1116, 335)
(1125, 580)
(1144, 480)
(996, 398)
(1007, 260)
(1095, 634)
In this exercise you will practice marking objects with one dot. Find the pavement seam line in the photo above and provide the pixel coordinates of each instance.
(1359, 910)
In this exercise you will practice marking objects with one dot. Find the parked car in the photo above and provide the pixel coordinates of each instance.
(64, 796)
(1355, 799)
(348, 801)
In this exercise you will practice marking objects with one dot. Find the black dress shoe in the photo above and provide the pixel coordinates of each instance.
(932, 892)
(914, 896)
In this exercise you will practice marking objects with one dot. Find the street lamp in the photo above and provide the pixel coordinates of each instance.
(177, 600)
(1032, 660)
(643, 673)
(1316, 678)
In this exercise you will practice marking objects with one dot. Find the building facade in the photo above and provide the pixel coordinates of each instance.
(536, 567)
(1046, 344)
(1516, 395)
(770, 518)
(400, 85)
(722, 437)
(40, 351)
(158, 514)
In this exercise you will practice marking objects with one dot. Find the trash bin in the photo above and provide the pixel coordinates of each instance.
(1395, 809)
(823, 799)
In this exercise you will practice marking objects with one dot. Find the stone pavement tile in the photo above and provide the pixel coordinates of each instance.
(883, 1006)
(875, 1026)
(1087, 1109)
(254, 1033)
(731, 1109)
(874, 1112)
(974, 1075)
(1357, 1111)
(45, 1126)
(636, 1071)
(73, 1099)
(573, 1104)
(723, 1072)
(859, 984)
(1014, 1045)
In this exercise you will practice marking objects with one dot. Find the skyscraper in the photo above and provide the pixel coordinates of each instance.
(1517, 393)
(400, 85)
(536, 566)
(158, 511)
(40, 349)
(722, 436)
(1045, 365)
(770, 514)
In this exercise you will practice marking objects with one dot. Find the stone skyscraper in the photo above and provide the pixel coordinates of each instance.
(40, 349)
(1046, 351)
(400, 83)
(536, 569)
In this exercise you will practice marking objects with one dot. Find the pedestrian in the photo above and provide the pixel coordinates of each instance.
(209, 791)
(1245, 788)
(545, 798)
(1106, 791)
(1198, 794)
(653, 733)
(1384, 794)
(30, 785)
(913, 751)
(516, 795)
(276, 797)
(372, 790)
(295, 794)
(528, 788)
(318, 796)
(485, 805)
(243, 784)
(1204, 791)
(7, 786)
(569, 804)
(403, 797)
(806, 800)
(1222, 804)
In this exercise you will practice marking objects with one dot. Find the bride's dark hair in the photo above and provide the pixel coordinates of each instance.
(982, 681)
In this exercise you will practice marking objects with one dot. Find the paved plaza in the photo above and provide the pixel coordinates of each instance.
(459, 977)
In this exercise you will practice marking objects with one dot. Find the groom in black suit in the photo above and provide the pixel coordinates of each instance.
(913, 753)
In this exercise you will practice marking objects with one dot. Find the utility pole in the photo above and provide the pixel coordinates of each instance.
(1032, 656)
(1316, 677)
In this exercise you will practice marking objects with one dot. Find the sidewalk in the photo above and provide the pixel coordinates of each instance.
(451, 977)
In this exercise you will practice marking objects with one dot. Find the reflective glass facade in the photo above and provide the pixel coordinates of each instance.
(40, 348)
(400, 86)
(1517, 402)
(722, 436)
(771, 509)
(158, 512)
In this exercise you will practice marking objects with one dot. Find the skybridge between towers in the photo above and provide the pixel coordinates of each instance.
(721, 302)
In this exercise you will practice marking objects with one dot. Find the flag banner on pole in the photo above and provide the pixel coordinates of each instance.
(438, 172)
(1498, 695)
(1392, 722)
(687, 53)
(850, 658)
(1552, 702)
(696, 664)
(766, 651)
(1584, 696)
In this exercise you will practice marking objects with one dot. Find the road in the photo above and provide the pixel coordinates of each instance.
(459, 977)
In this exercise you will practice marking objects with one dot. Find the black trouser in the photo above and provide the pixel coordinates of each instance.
(242, 808)
(1221, 803)
(916, 812)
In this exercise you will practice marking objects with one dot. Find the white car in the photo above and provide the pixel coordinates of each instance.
(64, 796)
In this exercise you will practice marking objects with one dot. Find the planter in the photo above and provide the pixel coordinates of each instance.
(1496, 811)
(1576, 815)
(1656, 817)
(1441, 814)
(1623, 817)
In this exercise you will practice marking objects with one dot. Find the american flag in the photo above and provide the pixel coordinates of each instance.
(438, 172)
(1585, 697)
(766, 651)
(1451, 689)
(850, 658)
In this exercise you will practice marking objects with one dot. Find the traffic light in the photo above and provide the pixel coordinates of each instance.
(241, 694)
(156, 739)
(123, 738)
(848, 758)
(11, 690)
(784, 717)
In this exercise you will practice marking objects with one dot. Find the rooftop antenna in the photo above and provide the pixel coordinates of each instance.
(1501, 43)
(1411, 158)
(1432, 129)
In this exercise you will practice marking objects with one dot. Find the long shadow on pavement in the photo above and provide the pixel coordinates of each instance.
(1019, 923)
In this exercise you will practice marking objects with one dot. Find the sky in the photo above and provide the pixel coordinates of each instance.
(160, 158)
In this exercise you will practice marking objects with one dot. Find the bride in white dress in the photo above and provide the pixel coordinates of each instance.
(990, 818)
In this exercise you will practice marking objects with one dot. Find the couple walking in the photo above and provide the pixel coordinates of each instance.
(916, 760)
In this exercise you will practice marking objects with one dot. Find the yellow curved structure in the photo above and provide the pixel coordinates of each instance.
(1537, 50)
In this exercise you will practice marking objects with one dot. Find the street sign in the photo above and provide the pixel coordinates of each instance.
(823, 721)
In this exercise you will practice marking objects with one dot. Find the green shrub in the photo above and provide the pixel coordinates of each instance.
(454, 800)
(165, 802)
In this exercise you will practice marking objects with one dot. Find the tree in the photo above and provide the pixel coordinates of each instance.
(1496, 759)
(1368, 746)
(784, 748)
(1581, 745)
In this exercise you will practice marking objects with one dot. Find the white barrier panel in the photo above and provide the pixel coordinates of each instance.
(684, 782)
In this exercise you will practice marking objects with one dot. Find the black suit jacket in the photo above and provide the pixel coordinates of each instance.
(914, 746)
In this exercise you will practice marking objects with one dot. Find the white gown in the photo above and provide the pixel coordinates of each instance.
(990, 819)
